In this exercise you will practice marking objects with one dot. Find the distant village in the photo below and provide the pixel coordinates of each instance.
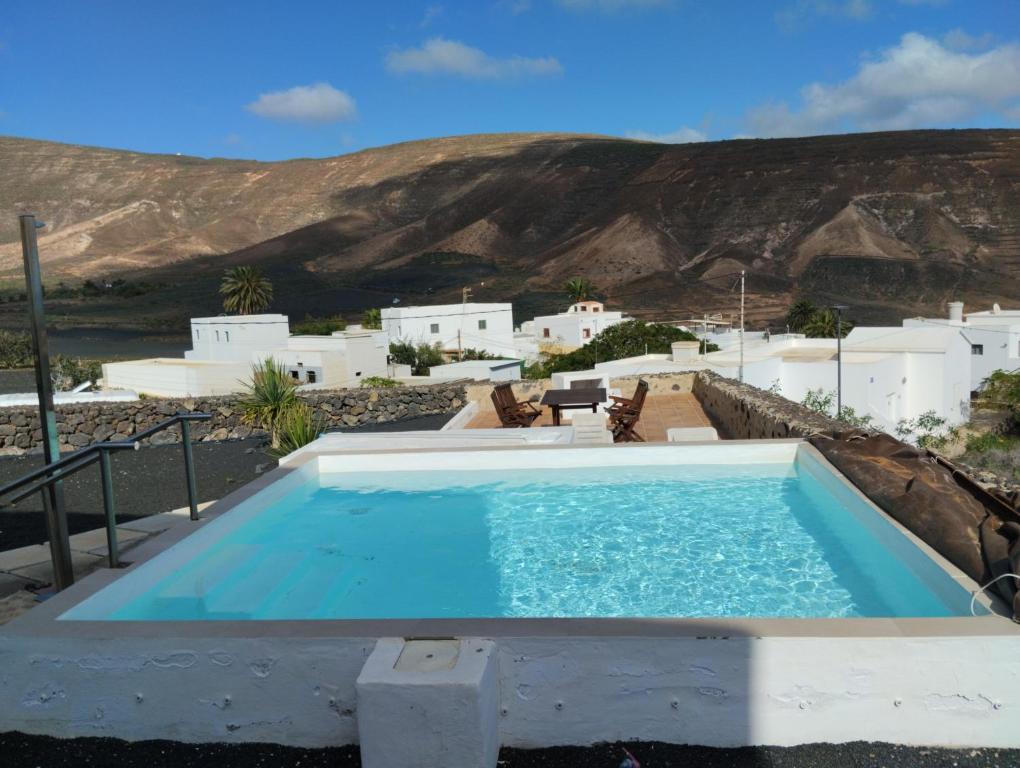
(890, 376)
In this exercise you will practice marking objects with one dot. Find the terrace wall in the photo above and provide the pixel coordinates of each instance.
(80, 425)
(740, 411)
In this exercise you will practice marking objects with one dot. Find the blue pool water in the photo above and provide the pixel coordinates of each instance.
(768, 540)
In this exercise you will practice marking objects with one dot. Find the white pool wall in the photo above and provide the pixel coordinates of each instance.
(952, 682)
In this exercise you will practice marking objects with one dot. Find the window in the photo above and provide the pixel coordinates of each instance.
(311, 377)
(545, 333)
(586, 333)
(295, 375)
(977, 349)
(584, 308)
(434, 328)
(227, 334)
(594, 309)
(482, 325)
(217, 335)
(198, 334)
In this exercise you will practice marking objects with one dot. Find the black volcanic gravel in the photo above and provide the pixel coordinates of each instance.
(18, 749)
(151, 480)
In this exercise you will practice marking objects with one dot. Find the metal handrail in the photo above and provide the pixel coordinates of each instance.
(40, 479)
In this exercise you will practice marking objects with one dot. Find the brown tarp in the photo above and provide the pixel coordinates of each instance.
(925, 498)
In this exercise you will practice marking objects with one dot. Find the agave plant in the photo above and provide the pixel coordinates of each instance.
(245, 290)
(298, 426)
(271, 394)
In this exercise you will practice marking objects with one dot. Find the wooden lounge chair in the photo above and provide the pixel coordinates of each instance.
(625, 413)
(511, 412)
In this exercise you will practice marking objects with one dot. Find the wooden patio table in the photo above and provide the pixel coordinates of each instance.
(562, 399)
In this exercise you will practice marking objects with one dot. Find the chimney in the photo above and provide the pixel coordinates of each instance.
(956, 312)
(685, 351)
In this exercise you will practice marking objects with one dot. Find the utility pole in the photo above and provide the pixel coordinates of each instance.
(741, 326)
(53, 494)
(839, 358)
(465, 294)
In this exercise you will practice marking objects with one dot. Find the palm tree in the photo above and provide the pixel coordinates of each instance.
(799, 315)
(245, 291)
(822, 325)
(579, 289)
(372, 318)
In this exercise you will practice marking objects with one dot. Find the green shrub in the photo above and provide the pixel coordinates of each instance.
(372, 318)
(68, 372)
(627, 339)
(823, 402)
(421, 357)
(298, 426)
(1001, 390)
(319, 326)
(928, 430)
(378, 382)
(16, 350)
(271, 394)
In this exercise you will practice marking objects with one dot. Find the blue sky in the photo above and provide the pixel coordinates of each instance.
(274, 80)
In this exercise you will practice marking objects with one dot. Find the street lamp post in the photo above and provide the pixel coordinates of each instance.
(838, 308)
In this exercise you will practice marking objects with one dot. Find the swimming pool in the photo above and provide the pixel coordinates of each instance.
(768, 531)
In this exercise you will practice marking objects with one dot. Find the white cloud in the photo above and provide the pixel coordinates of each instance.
(611, 5)
(682, 135)
(232, 139)
(793, 16)
(432, 13)
(959, 40)
(917, 83)
(318, 103)
(439, 56)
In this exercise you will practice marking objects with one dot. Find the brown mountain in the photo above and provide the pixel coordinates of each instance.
(890, 223)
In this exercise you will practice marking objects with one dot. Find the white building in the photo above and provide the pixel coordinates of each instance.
(485, 327)
(236, 337)
(994, 337)
(225, 349)
(478, 370)
(888, 373)
(575, 327)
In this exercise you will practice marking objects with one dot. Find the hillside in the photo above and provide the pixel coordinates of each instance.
(890, 223)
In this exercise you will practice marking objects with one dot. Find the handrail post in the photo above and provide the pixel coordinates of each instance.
(189, 468)
(53, 493)
(108, 508)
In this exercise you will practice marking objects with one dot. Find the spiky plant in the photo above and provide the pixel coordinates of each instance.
(298, 426)
(245, 290)
(372, 319)
(579, 289)
(271, 394)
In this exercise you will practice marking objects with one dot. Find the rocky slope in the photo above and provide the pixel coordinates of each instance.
(891, 223)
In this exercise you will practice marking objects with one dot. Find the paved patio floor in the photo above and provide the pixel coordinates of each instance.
(660, 413)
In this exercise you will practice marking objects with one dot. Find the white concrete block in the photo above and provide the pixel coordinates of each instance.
(690, 434)
(429, 703)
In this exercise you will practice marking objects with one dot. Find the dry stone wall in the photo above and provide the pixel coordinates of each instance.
(740, 411)
(84, 424)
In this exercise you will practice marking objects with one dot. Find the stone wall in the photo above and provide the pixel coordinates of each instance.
(740, 411)
(83, 424)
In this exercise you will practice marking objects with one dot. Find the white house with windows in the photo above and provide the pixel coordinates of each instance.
(225, 348)
(994, 337)
(889, 373)
(575, 327)
(486, 327)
